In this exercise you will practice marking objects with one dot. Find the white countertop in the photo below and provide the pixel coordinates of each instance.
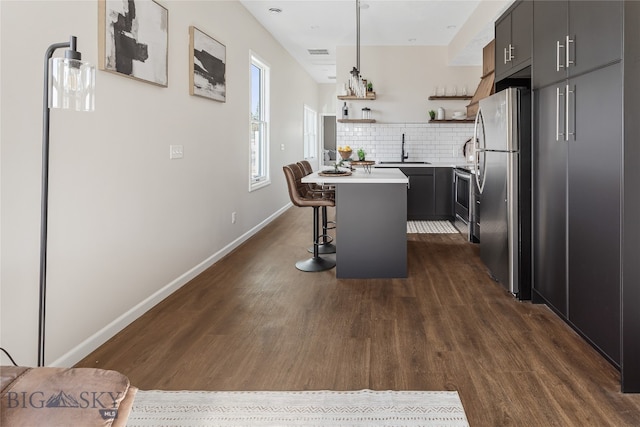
(422, 165)
(388, 175)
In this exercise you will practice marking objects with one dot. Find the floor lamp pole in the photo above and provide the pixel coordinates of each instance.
(45, 195)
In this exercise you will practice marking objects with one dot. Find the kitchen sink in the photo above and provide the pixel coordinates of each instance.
(405, 163)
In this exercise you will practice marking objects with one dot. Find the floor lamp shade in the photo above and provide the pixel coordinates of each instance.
(71, 84)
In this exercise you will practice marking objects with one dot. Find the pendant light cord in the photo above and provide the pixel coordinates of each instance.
(358, 35)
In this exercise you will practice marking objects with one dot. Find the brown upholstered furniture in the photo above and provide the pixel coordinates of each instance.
(329, 191)
(303, 196)
(64, 397)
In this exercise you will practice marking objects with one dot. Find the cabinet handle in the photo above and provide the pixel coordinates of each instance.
(508, 53)
(567, 60)
(409, 183)
(558, 47)
(566, 119)
(558, 133)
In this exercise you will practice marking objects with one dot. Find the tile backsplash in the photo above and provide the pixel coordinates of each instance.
(430, 142)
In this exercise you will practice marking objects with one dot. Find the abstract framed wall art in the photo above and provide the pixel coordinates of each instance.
(133, 39)
(207, 66)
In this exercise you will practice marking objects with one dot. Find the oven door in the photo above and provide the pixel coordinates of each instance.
(462, 201)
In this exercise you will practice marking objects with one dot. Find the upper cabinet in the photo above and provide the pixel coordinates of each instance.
(573, 37)
(513, 39)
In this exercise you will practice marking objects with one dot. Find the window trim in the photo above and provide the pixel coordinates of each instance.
(265, 82)
(315, 150)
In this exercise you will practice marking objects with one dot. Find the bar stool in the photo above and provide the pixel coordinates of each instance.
(302, 197)
(326, 247)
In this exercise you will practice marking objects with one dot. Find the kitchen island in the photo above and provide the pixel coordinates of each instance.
(371, 221)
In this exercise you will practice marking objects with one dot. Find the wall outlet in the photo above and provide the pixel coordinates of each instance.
(233, 217)
(176, 152)
(281, 147)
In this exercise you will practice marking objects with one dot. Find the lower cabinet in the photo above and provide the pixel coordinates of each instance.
(444, 193)
(429, 193)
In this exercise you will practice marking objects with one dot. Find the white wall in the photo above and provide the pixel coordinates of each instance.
(327, 98)
(126, 224)
(403, 78)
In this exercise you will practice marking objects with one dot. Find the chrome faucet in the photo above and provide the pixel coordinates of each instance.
(404, 155)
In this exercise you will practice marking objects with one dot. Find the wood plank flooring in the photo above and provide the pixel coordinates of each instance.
(254, 322)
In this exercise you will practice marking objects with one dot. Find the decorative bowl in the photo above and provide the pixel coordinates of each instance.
(345, 154)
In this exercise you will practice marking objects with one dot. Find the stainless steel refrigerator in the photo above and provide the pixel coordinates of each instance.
(502, 134)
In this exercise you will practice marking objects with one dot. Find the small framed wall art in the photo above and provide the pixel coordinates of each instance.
(133, 39)
(207, 66)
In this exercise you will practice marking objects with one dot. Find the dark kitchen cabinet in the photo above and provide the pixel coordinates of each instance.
(514, 32)
(429, 193)
(577, 205)
(586, 182)
(550, 203)
(444, 193)
(420, 193)
(594, 185)
(573, 37)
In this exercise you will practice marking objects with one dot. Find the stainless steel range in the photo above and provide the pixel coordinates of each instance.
(463, 200)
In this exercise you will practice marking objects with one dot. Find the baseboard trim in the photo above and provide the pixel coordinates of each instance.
(103, 335)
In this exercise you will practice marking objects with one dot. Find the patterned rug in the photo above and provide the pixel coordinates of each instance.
(431, 227)
(299, 408)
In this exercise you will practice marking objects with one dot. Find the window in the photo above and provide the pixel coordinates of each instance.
(310, 134)
(259, 124)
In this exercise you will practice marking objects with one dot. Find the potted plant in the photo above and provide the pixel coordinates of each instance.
(361, 154)
(432, 114)
(369, 87)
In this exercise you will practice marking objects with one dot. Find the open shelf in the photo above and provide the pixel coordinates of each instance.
(356, 121)
(370, 97)
(450, 98)
(453, 121)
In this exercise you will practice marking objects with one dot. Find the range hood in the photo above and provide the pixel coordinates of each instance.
(486, 86)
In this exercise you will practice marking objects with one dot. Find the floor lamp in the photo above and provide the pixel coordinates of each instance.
(69, 84)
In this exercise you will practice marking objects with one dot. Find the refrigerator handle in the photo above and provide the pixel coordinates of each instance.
(476, 148)
(478, 151)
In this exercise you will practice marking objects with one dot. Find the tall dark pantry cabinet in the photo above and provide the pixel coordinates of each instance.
(583, 52)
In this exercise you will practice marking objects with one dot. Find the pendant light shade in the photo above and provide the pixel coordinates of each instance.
(71, 84)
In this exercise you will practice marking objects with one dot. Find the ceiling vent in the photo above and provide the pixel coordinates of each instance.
(318, 51)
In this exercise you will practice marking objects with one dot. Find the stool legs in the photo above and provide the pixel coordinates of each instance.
(316, 263)
(325, 246)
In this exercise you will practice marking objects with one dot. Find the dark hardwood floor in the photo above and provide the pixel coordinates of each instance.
(254, 322)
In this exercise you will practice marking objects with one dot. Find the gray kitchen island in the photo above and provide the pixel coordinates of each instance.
(371, 218)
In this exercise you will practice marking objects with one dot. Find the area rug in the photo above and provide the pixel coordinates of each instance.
(431, 227)
(299, 408)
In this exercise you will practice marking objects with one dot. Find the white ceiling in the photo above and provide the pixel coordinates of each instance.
(325, 24)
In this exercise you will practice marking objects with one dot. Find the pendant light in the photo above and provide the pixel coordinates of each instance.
(356, 85)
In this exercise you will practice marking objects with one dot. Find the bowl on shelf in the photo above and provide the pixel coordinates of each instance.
(459, 115)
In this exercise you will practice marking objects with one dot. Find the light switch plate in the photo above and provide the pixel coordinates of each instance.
(176, 152)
